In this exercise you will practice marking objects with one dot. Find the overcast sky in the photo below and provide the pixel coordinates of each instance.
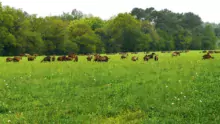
(207, 10)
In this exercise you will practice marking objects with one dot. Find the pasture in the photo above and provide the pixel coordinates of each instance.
(183, 89)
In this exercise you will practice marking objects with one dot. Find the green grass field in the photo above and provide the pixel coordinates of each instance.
(182, 90)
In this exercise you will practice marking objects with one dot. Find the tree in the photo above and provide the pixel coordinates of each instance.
(82, 34)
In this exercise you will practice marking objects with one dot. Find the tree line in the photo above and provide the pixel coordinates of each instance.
(139, 30)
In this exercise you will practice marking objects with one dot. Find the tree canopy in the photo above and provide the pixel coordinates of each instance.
(139, 30)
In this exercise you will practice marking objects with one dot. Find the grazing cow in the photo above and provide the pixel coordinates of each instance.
(146, 58)
(96, 57)
(124, 56)
(151, 56)
(175, 54)
(207, 56)
(31, 58)
(68, 59)
(134, 58)
(53, 58)
(72, 55)
(16, 59)
(103, 59)
(46, 59)
(89, 58)
(156, 58)
(9, 59)
(75, 58)
(99, 58)
(61, 58)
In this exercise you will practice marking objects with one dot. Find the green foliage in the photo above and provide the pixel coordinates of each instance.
(140, 30)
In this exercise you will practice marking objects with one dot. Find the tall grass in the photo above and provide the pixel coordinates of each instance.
(183, 89)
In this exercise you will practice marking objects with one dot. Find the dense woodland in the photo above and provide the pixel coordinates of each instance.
(139, 30)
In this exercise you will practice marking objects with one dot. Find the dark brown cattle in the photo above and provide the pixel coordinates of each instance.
(99, 58)
(61, 58)
(96, 57)
(103, 59)
(156, 58)
(146, 58)
(207, 56)
(16, 59)
(89, 58)
(68, 59)
(31, 58)
(46, 59)
(134, 58)
(151, 56)
(53, 58)
(75, 58)
(9, 59)
(124, 56)
(175, 54)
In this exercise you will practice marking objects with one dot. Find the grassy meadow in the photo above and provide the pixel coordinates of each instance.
(182, 90)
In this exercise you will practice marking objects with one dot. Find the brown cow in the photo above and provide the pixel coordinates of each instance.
(175, 54)
(68, 59)
(75, 58)
(146, 58)
(123, 56)
(207, 56)
(151, 56)
(9, 59)
(46, 59)
(31, 58)
(61, 58)
(156, 58)
(103, 59)
(16, 59)
(96, 57)
(53, 58)
(134, 58)
(89, 58)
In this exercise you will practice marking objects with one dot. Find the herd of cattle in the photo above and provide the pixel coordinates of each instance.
(99, 58)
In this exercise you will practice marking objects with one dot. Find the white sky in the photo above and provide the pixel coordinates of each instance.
(207, 10)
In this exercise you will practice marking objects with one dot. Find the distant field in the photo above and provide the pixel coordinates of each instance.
(183, 89)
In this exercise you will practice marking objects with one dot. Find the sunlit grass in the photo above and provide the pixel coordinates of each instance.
(183, 89)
